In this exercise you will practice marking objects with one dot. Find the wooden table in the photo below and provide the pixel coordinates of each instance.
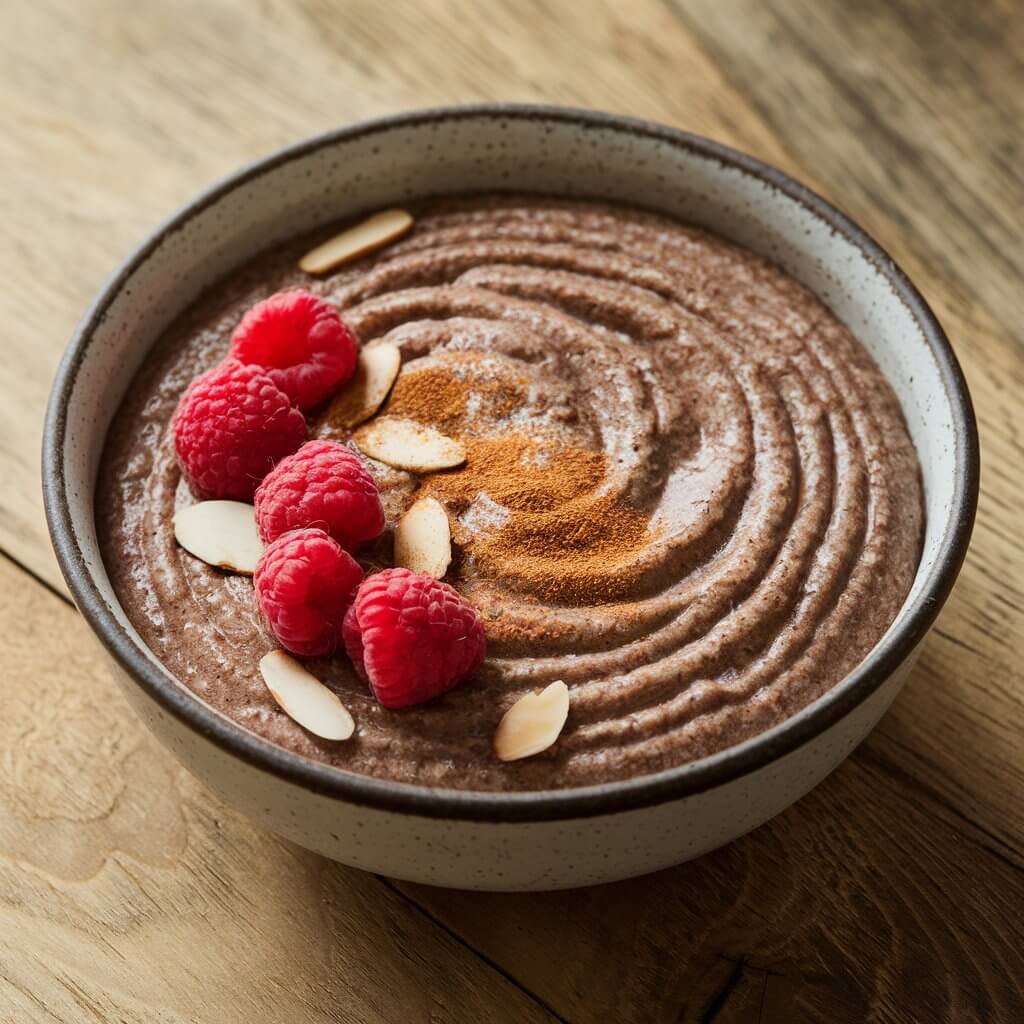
(893, 892)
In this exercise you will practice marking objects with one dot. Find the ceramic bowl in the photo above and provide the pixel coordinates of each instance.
(538, 840)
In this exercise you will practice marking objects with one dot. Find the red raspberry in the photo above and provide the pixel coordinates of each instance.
(323, 484)
(411, 637)
(231, 426)
(305, 582)
(300, 342)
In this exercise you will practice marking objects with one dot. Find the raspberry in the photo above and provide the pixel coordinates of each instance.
(411, 637)
(323, 484)
(300, 342)
(231, 426)
(305, 582)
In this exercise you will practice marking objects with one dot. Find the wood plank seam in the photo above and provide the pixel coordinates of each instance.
(421, 908)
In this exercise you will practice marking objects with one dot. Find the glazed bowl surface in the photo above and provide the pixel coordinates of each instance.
(535, 840)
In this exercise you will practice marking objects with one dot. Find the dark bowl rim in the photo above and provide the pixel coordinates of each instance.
(547, 805)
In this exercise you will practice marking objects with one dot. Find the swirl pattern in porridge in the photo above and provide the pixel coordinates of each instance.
(690, 493)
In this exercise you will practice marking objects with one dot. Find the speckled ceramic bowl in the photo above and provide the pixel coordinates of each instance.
(526, 840)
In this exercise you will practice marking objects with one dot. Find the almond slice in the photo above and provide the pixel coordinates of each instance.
(405, 444)
(304, 698)
(533, 723)
(221, 533)
(364, 394)
(423, 539)
(373, 233)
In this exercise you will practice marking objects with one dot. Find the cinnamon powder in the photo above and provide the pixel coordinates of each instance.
(432, 396)
(439, 397)
(567, 536)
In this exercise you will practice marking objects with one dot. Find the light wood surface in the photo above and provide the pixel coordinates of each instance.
(892, 893)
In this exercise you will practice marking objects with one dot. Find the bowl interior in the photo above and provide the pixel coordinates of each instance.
(526, 149)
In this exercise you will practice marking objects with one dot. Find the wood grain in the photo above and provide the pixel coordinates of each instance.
(891, 893)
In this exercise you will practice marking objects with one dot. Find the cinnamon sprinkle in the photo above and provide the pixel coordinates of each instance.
(439, 397)
(432, 396)
(568, 536)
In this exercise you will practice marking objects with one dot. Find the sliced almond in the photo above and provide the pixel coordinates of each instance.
(221, 533)
(533, 723)
(303, 697)
(406, 444)
(364, 394)
(373, 233)
(423, 539)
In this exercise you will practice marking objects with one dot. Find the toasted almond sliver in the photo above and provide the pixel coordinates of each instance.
(406, 444)
(423, 539)
(533, 723)
(221, 533)
(373, 233)
(304, 698)
(364, 394)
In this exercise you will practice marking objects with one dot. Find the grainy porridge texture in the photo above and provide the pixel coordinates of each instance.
(690, 493)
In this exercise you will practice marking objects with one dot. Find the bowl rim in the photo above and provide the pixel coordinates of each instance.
(539, 805)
